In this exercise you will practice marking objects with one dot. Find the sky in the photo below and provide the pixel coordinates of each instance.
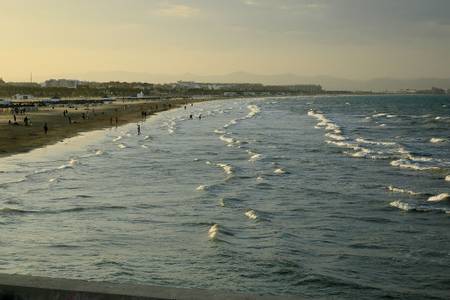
(354, 39)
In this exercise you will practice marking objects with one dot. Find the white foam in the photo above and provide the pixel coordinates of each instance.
(226, 168)
(213, 231)
(255, 157)
(400, 190)
(251, 214)
(202, 188)
(218, 131)
(402, 205)
(382, 125)
(71, 164)
(407, 164)
(355, 147)
(121, 146)
(447, 178)
(336, 137)
(99, 152)
(145, 147)
(52, 180)
(378, 115)
(440, 197)
(260, 178)
(117, 139)
(364, 141)
(254, 110)
(437, 140)
(279, 171)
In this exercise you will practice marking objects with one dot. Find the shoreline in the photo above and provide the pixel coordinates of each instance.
(19, 138)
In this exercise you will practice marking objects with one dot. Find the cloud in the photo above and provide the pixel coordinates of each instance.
(177, 10)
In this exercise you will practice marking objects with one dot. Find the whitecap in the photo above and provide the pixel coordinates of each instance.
(407, 164)
(437, 140)
(254, 110)
(438, 198)
(402, 205)
(336, 137)
(400, 190)
(447, 178)
(226, 168)
(378, 115)
(218, 131)
(364, 141)
(279, 171)
(255, 157)
(121, 146)
(202, 188)
(99, 152)
(251, 214)
(117, 139)
(213, 231)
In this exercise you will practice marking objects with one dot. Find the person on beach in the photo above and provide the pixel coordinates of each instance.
(45, 128)
(25, 121)
(200, 116)
(190, 117)
(117, 121)
(139, 129)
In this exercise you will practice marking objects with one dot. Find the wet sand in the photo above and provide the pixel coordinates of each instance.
(20, 138)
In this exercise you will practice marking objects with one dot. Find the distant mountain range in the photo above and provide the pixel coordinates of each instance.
(327, 82)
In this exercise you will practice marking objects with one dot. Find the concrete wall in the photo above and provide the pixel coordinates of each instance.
(19, 287)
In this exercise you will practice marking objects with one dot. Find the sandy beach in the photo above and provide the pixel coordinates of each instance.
(19, 138)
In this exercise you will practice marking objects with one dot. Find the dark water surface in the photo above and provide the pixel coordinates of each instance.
(316, 196)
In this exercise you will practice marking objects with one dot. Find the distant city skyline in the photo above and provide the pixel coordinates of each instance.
(351, 39)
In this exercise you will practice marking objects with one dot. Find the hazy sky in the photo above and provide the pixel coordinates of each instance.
(344, 38)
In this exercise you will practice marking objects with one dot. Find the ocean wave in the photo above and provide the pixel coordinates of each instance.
(408, 164)
(117, 139)
(378, 115)
(254, 110)
(279, 171)
(400, 190)
(228, 169)
(229, 140)
(213, 232)
(251, 214)
(369, 142)
(437, 140)
(121, 146)
(202, 188)
(71, 164)
(439, 198)
(17, 211)
(447, 178)
(417, 208)
(336, 137)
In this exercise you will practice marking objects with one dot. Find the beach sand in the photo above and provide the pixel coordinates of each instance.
(20, 138)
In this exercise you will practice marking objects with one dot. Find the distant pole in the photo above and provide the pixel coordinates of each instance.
(31, 77)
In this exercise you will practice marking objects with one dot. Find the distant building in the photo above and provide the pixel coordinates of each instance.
(437, 91)
(23, 84)
(61, 83)
(140, 95)
(23, 97)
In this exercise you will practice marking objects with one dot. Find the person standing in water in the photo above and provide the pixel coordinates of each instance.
(139, 129)
(45, 128)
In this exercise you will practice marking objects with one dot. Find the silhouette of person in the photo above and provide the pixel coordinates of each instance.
(45, 128)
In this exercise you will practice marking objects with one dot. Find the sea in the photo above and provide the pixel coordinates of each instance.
(343, 197)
